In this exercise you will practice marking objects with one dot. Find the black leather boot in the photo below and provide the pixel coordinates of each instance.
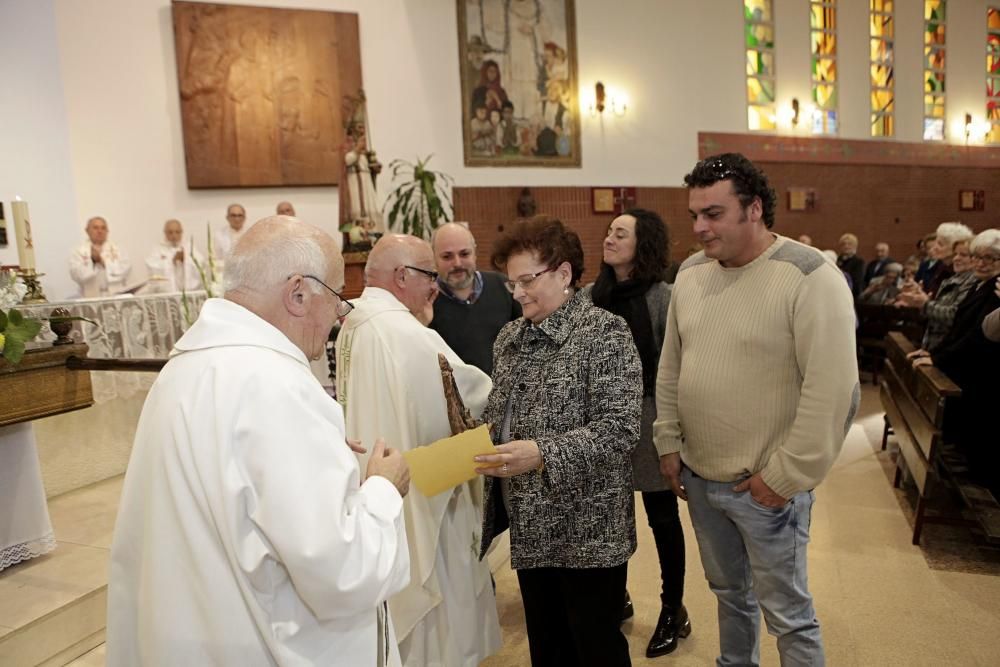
(628, 611)
(673, 624)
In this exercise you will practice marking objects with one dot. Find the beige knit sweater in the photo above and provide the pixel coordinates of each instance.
(758, 371)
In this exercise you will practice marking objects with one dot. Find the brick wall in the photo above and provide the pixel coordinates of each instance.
(891, 203)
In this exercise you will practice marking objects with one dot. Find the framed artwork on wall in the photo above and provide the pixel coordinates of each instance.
(261, 93)
(520, 105)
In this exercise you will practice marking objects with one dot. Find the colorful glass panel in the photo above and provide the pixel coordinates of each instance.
(993, 19)
(881, 32)
(933, 129)
(934, 82)
(881, 51)
(882, 125)
(824, 44)
(823, 17)
(823, 49)
(934, 10)
(933, 106)
(760, 63)
(881, 26)
(993, 68)
(881, 76)
(933, 58)
(881, 6)
(934, 69)
(758, 21)
(824, 70)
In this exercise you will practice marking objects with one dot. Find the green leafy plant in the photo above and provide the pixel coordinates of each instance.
(420, 204)
(15, 329)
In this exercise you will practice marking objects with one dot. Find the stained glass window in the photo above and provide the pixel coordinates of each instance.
(823, 40)
(993, 74)
(883, 96)
(934, 58)
(758, 18)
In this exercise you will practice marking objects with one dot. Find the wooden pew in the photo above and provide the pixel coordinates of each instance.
(916, 402)
(874, 323)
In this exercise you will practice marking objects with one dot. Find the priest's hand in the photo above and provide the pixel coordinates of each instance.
(512, 458)
(389, 463)
(179, 256)
(356, 446)
(95, 255)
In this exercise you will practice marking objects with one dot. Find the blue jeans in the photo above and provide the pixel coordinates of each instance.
(755, 558)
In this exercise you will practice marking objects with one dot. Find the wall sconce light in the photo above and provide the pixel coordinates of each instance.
(604, 100)
(968, 126)
(795, 112)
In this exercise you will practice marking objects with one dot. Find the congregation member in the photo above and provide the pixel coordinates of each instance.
(877, 266)
(247, 533)
(389, 382)
(631, 285)
(991, 323)
(473, 305)
(285, 208)
(972, 361)
(764, 326)
(940, 310)
(924, 259)
(565, 407)
(884, 288)
(805, 239)
(942, 251)
(99, 266)
(226, 238)
(851, 263)
(174, 263)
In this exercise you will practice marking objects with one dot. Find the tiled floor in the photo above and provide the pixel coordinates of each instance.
(879, 600)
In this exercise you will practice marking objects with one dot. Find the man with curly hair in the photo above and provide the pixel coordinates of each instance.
(756, 388)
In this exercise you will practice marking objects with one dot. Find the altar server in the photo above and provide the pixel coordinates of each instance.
(389, 382)
(98, 266)
(174, 263)
(247, 533)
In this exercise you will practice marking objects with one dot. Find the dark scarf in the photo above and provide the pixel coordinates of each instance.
(627, 299)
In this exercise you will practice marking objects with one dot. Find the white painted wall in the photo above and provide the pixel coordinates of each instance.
(116, 150)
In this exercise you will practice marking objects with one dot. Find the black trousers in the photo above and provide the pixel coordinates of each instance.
(574, 616)
(668, 534)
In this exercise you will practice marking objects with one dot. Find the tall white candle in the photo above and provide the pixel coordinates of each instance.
(22, 228)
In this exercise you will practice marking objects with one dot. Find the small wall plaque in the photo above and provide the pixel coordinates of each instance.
(801, 199)
(971, 200)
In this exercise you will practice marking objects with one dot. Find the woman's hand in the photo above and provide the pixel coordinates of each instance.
(916, 354)
(922, 361)
(513, 458)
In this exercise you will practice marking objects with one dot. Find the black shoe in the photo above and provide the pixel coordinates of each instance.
(672, 626)
(629, 611)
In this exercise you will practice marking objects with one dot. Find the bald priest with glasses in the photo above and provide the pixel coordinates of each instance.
(389, 383)
(248, 533)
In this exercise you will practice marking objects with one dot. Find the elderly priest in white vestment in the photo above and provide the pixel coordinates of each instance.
(173, 266)
(390, 385)
(247, 533)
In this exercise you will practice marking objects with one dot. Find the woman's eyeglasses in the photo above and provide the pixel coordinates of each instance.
(524, 281)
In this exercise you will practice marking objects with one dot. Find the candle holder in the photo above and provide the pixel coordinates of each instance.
(35, 294)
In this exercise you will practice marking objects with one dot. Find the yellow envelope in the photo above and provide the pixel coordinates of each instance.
(445, 464)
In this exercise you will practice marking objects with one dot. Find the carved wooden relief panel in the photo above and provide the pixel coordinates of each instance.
(261, 93)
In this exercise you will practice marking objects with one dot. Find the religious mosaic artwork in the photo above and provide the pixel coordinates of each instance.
(934, 72)
(261, 93)
(519, 83)
(823, 42)
(883, 87)
(758, 24)
(993, 74)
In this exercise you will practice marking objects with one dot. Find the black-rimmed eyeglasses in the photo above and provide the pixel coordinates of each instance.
(433, 275)
(343, 305)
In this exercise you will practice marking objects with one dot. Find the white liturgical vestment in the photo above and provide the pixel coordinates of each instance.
(245, 535)
(225, 239)
(389, 382)
(99, 279)
(179, 276)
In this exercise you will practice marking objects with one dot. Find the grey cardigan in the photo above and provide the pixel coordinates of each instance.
(575, 385)
(645, 461)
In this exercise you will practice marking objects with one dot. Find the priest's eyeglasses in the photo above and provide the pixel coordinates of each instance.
(343, 305)
(525, 281)
(433, 275)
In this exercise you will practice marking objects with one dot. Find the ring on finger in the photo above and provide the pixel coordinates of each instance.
(504, 468)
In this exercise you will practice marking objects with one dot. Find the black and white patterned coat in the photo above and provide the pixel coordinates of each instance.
(576, 387)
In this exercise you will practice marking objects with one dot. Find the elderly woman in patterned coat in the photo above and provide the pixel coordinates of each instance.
(565, 409)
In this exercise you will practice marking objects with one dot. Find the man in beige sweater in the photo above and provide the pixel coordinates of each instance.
(756, 389)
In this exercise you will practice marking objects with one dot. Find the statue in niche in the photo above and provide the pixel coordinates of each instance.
(360, 208)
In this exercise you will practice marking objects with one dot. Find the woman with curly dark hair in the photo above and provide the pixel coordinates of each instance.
(565, 409)
(631, 285)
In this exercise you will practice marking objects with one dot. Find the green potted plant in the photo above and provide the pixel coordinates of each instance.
(420, 204)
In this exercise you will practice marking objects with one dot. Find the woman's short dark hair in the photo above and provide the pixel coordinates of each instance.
(546, 237)
(652, 241)
(748, 181)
